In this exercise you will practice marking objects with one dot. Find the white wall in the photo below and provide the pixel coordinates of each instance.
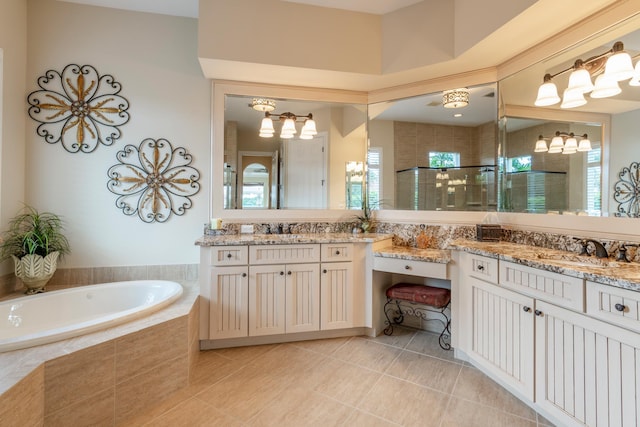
(13, 46)
(154, 57)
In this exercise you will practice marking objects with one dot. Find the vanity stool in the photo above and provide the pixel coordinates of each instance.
(407, 299)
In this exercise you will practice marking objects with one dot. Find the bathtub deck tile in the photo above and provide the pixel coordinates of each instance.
(95, 410)
(25, 401)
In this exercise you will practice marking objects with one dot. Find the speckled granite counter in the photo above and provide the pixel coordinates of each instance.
(606, 271)
(441, 256)
(298, 238)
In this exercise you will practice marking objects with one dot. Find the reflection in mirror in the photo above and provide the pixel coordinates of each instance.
(299, 169)
(614, 145)
(423, 156)
(537, 177)
(354, 184)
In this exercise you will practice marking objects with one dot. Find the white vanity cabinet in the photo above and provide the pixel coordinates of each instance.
(227, 291)
(527, 321)
(270, 290)
(337, 286)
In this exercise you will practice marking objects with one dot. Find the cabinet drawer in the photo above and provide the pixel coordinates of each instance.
(615, 305)
(336, 252)
(413, 268)
(481, 267)
(229, 255)
(278, 254)
(559, 289)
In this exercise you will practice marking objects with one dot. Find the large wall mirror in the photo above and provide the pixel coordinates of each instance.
(266, 166)
(425, 156)
(575, 181)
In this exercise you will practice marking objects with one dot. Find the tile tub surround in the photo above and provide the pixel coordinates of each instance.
(11, 287)
(105, 377)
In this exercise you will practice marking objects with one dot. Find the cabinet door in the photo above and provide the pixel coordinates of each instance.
(502, 334)
(228, 302)
(587, 369)
(266, 300)
(336, 284)
(302, 298)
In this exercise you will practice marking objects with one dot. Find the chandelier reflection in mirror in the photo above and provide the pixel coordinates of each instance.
(288, 120)
(455, 98)
(153, 180)
(562, 142)
(608, 68)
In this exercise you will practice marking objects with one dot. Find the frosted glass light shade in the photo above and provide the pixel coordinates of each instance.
(266, 127)
(547, 95)
(556, 145)
(288, 129)
(541, 146)
(605, 87)
(585, 145)
(572, 98)
(309, 129)
(580, 79)
(570, 145)
(619, 66)
(635, 80)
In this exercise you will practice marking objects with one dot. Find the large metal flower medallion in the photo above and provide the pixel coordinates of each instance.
(627, 191)
(153, 180)
(78, 108)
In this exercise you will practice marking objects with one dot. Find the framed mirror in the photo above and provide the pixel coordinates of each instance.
(580, 182)
(260, 167)
(425, 156)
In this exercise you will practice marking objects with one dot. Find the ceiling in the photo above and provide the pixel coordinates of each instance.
(189, 8)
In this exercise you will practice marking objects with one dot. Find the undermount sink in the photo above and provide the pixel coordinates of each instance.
(577, 261)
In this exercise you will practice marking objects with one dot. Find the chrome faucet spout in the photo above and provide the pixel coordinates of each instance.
(600, 251)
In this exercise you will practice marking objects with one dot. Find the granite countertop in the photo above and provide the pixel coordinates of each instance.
(441, 256)
(297, 238)
(602, 270)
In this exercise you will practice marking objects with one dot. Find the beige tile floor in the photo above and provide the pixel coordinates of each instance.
(402, 380)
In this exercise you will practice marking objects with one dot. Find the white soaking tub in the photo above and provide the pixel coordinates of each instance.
(53, 316)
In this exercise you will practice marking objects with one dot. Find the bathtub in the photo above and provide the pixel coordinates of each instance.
(53, 316)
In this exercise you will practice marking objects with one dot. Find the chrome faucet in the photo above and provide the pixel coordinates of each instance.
(600, 251)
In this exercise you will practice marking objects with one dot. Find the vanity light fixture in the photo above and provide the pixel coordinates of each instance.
(455, 98)
(562, 142)
(609, 68)
(288, 120)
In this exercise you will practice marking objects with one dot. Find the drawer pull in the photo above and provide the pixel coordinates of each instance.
(282, 273)
(289, 272)
(538, 313)
(407, 267)
(337, 252)
(526, 309)
(324, 271)
(244, 274)
(229, 255)
(620, 307)
(481, 267)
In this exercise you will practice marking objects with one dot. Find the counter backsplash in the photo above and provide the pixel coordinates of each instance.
(438, 236)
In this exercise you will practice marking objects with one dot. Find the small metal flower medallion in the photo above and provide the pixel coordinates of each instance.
(627, 191)
(78, 108)
(153, 180)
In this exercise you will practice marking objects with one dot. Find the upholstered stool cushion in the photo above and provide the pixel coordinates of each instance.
(422, 294)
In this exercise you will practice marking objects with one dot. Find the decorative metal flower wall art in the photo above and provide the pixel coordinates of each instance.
(627, 191)
(78, 108)
(153, 180)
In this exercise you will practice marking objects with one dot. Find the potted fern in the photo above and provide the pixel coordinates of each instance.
(35, 241)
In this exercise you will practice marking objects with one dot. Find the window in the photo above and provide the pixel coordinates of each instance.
(519, 164)
(594, 197)
(253, 195)
(374, 179)
(440, 159)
